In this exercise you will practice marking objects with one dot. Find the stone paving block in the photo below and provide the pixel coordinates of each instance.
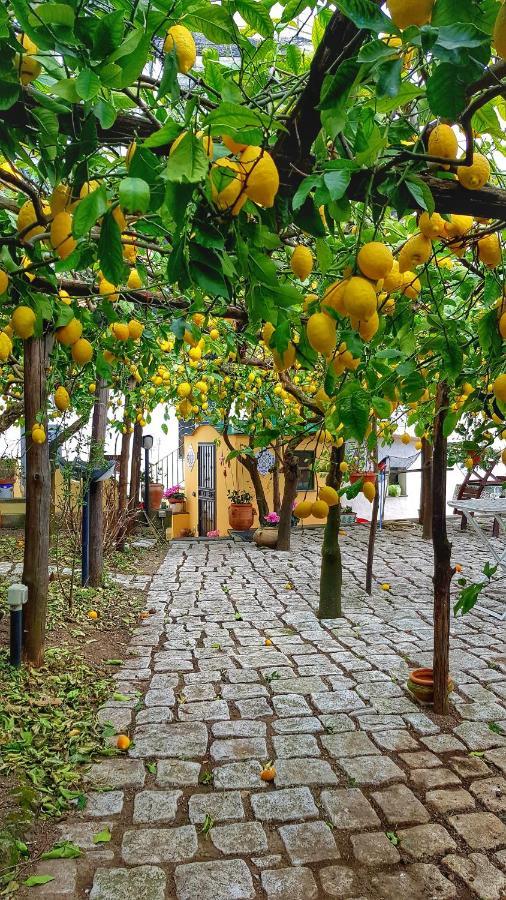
(400, 806)
(469, 766)
(304, 771)
(205, 710)
(425, 840)
(257, 708)
(480, 830)
(159, 698)
(421, 723)
(82, 833)
(481, 877)
(177, 772)
(349, 809)
(373, 722)
(159, 715)
(159, 845)
(290, 705)
(498, 758)
(374, 849)
(243, 691)
(151, 807)
(188, 739)
(372, 769)
(491, 792)
(442, 743)
(217, 880)
(64, 879)
(240, 775)
(309, 842)
(239, 728)
(433, 778)
(238, 748)
(477, 736)
(335, 723)
(101, 804)
(302, 725)
(395, 741)
(119, 772)
(450, 800)
(295, 745)
(120, 718)
(243, 838)
(222, 806)
(285, 805)
(348, 743)
(337, 701)
(142, 883)
(422, 759)
(299, 685)
(421, 881)
(339, 881)
(289, 884)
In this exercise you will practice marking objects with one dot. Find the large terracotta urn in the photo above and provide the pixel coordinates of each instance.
(155, 494)
(240, 516)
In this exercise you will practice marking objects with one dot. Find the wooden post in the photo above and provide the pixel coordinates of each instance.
(331, 572)
(96, 512)
(426, 490)
(276, 495)
(38, 502)
(123, 482)
(291, 475)
(374, 520)
(443, 572)
(135, 468)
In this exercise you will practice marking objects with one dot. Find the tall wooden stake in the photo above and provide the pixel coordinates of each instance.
(38, 503)
(374, 521)
(135, 468)
(98, 428)
(443, 572)
(331, 572)
(426, 490)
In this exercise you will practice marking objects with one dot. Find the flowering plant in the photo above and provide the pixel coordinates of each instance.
(213, 534)
(174, 493)
(272, 519)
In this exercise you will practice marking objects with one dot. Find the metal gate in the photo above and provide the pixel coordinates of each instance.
(207, 488)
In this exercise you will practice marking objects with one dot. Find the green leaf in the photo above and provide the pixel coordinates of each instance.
(304, 189)
(103, 837)
(244, 125)
(106, 113)
(189, 162)
(110, 251)
(366, 14)
(446, 93)
(9, 92)
(62, 850)
(66, 88)
(87, 84)
(169, 83)
(450, 423)
(55, 14)
(34, 880)
(354, 413)
(421, 193)
(324, 255)
(451, 37)
(88, 210)
(375, 51)
(256, 15)
(382, 407)
(336, 88)
(165, 135)
(308, 219)
(108, 34)
(214, 22)
(337, 181)
(389, 78)
(446, 12)
(134, 195)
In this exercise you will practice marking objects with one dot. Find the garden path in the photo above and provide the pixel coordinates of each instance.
(373, 798)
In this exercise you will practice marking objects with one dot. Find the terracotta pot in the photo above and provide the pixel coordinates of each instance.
(266, 537)
(367, 476)
(421, 684)
(176, 506)
(155, 494)
(240, 516)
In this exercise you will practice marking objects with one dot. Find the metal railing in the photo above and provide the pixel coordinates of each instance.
(168, 469)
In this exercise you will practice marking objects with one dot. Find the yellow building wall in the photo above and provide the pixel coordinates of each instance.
(231, 475)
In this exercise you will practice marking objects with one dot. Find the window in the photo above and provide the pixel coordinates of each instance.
(305, 481)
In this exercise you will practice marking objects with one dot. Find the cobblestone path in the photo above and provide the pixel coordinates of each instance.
(373, 798)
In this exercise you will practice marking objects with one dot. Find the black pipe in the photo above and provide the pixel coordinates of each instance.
(85, 538)
(16, 637)
(146, 481)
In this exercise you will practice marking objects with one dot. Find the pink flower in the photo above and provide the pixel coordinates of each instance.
(213, 534)
(272, 519)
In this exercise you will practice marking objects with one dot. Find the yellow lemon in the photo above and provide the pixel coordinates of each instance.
(301, 262)
(61, 235)
(184, 390)
(27, 67)
(415, 252)
(120, 330)
(406, 438)
(369, 491)
(502, 326)
(60, 198)
(38, 434)
(319, 509)
(499, 388)
(134, 280)
(499, 35)
(393, 281)
(108, 290)
(334, 297)
(27, 216)
(227, 185)
(65, 297)
(367, 328)
(443, 142)
(232, 145)
(410, 12)
(23, 322)
(431, 226)
(303, 509)
(321, 333)
(82, 352)
(61, 399)
(88, 188)
(267, 332)
(70, 333)
(489, 250)
(4, 281)
(135, 329)
(329, 495)
(359, 298)
(285, 360)
(458, 226)
(261, 176)
(375, 260)
(5, 347)
(132, 147)
(179, 37)
(476, 175)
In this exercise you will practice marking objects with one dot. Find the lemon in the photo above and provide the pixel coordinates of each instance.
(132, 147)
(82, 351)
(28, 68)
(61, 235)
(303, 509)
(367, 328)
(129, 249)
(411, 285)
(227, 185)
(369, 491)
(301, 262)
(359, 298)
(393, 281)
(267, 332)
(261, 176)
(499, 388)
(38, 434)
(60, 198)
(319, 509)
(499, 34)
(135, 329)
(334, 297)
(214, 334)
(443, 142)
(375, 260)
(23, 322)
(184, 409)
(61, 399)
(415, 252)
(92, 387)
(26, 217)
(120, 330)
(69, 333)
(321, 333)
(489, 250)
(286, 359)
(184, 390)
(476, 175)
(431, 226)
(134, 280)
(5, 346)
(502, 326)
(88, 187)
(108, 290)
(329, 495)
(232, 145)
(65, 297)
(186, 52)
(4, 281)
(406, 438)
(458, 226)
(410, 12)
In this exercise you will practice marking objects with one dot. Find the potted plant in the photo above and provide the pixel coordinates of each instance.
(240, 511)
(348, 517)
(8, 473)
(366, 475)
(394, 490)
(267, 534)
(176, 498)
(421, 684)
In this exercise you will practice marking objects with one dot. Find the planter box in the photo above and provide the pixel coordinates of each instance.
(177, 506)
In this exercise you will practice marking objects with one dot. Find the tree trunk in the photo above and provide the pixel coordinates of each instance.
(276, 496)
(443, 572)
(124, 459)
(426, 490)
(252, 468)
(38, 503)
(291, 475)
(96, 512)
(135, 468)
(372, 540)
(331, 572)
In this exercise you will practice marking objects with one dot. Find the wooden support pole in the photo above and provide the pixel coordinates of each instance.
(96, 512)
(331, 572)
(443, 572)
